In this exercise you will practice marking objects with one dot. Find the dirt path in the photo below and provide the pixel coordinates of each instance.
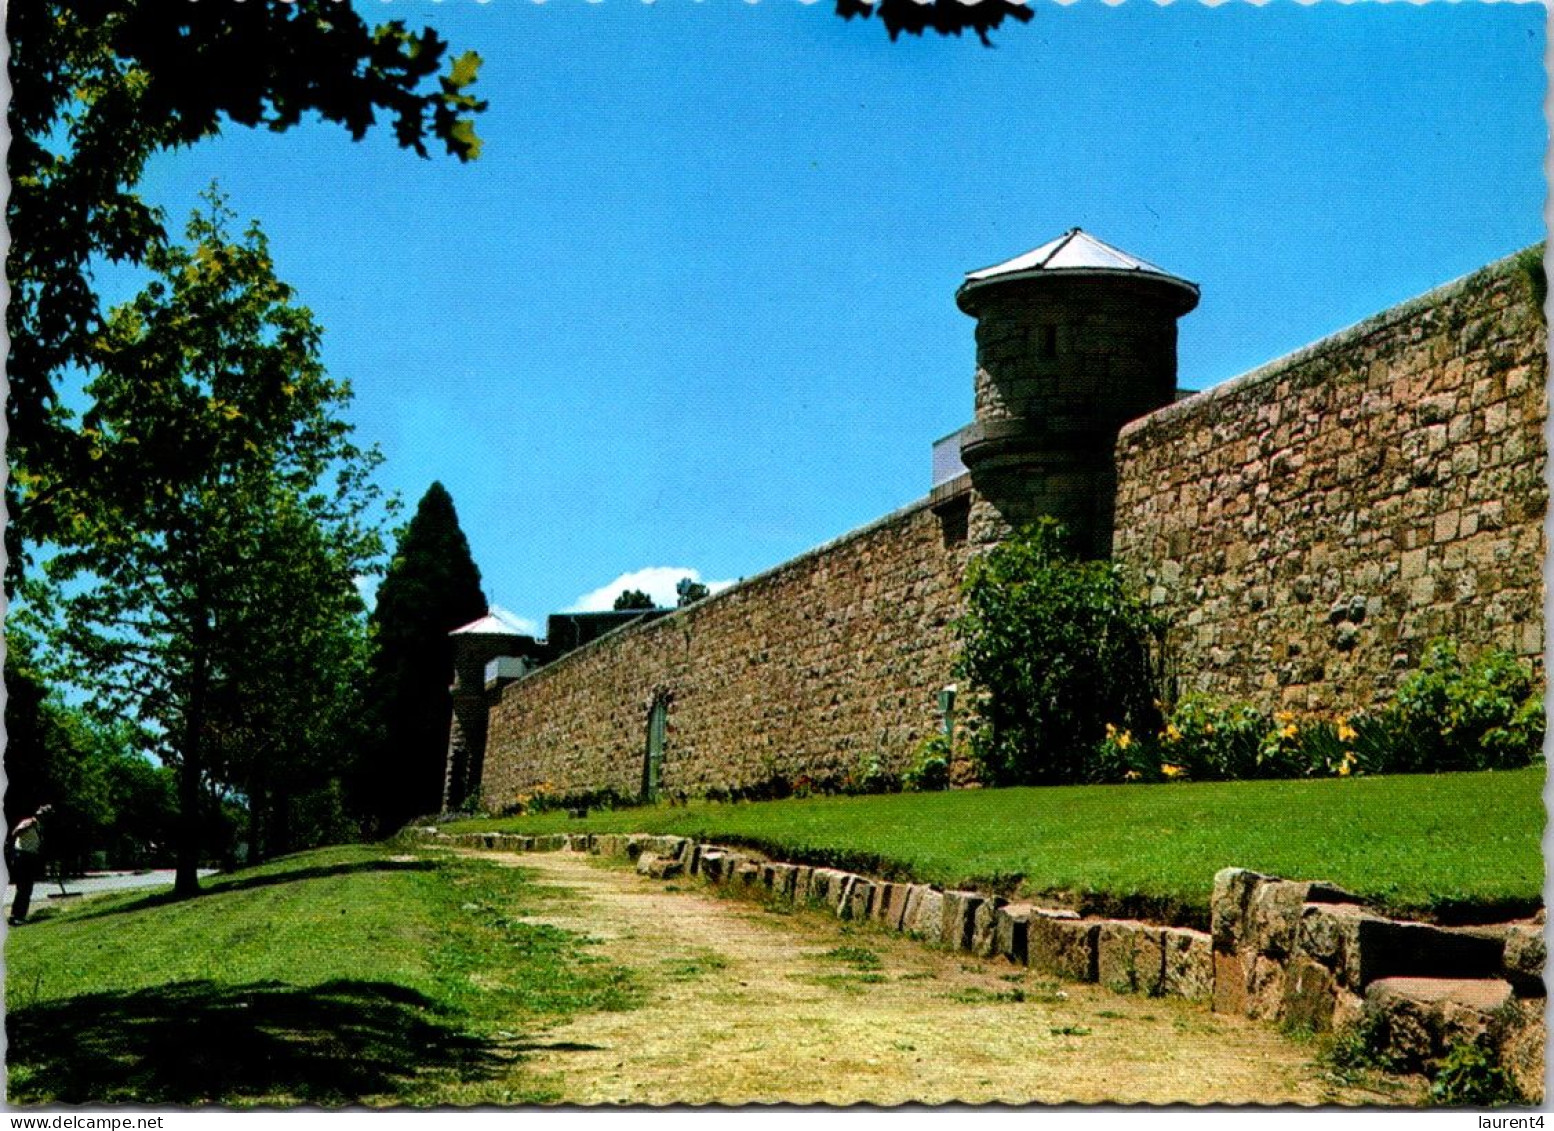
(749, 1005)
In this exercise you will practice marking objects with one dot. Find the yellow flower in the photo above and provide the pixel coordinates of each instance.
(1346, 733)
(1172, 734)
(1289, 730)
(1131, 775)
(1171, 771)
(1283, 717)
(1344, 767)
(1111, 731)
(1124, 740)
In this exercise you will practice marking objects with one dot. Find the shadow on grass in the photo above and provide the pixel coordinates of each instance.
(201, 1043)
(217, 885)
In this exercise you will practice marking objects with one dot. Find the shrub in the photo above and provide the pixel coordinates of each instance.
(1212, 741)
(1449, 715)
(1122, 756)
(1055, 649)
(1469, 1076)
(871, 776)
(931, 769)
(1452, 715)
(1362, 1045)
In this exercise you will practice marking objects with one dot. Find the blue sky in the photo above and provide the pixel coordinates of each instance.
(693, 307)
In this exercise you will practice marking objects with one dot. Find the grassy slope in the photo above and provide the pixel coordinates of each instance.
(329, 977)
(1414, 843)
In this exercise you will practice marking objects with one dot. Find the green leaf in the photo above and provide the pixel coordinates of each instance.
(464, 69)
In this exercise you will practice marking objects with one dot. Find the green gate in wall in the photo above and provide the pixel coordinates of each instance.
(653, 759)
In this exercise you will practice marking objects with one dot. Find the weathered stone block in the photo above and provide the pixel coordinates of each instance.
(1009, 931)
(1233, 888)
(1130, 957)
(1265, 991)
(1064, 948)
(1272, 922)
(841, 893)
(1425, 1016)
(879, 908)
(859, 898)
(747, 875)
(825, 887)
(1232, 980)
(958, 911)
(714, 864)
(1348, 1008)
(1361, 947)
(612, 844)
(1522, 1052)
(801, 882)
(668, 846)
(782, 878)
(896, 905)
(1188, 964)
(926, 920)
(984, 923)
(659, 867)
(1310, 995)
(1524, 957)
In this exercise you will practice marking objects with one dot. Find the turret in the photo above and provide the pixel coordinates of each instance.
(1074, 339)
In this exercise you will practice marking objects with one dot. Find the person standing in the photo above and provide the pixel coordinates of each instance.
(24, 856)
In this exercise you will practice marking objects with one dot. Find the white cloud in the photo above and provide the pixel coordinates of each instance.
(657, 582)
(524, 626)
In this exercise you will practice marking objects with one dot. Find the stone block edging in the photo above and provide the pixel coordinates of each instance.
(1304, 953)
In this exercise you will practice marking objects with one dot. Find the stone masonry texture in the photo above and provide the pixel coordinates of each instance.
(1307, 529)
(812, 669)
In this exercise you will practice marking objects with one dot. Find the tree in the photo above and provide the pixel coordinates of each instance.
(210, 415)
(947, 17)
(1055, 649)
(98, 88)
(289, 717)
(631, 599)
(432, 587)
(688, 592)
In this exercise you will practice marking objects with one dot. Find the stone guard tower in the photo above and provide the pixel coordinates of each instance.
(1074, 339)
(486, 643)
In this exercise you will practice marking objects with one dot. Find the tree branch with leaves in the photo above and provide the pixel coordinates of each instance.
(218, 521)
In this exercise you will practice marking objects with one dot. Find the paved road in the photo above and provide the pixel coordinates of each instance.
(94, 882)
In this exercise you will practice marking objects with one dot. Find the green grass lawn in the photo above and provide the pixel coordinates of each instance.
(1442, 844)
(346, 975)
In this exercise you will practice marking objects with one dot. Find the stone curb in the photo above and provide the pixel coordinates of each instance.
(1304, 953)
(1052, 941)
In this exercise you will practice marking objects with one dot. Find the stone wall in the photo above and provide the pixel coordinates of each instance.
(811, 669)
(1310, 526)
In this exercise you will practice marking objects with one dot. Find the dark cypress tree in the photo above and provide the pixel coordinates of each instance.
(431, 588)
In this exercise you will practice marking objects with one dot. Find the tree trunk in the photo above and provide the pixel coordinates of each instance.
(186, 882)
(258, 830)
